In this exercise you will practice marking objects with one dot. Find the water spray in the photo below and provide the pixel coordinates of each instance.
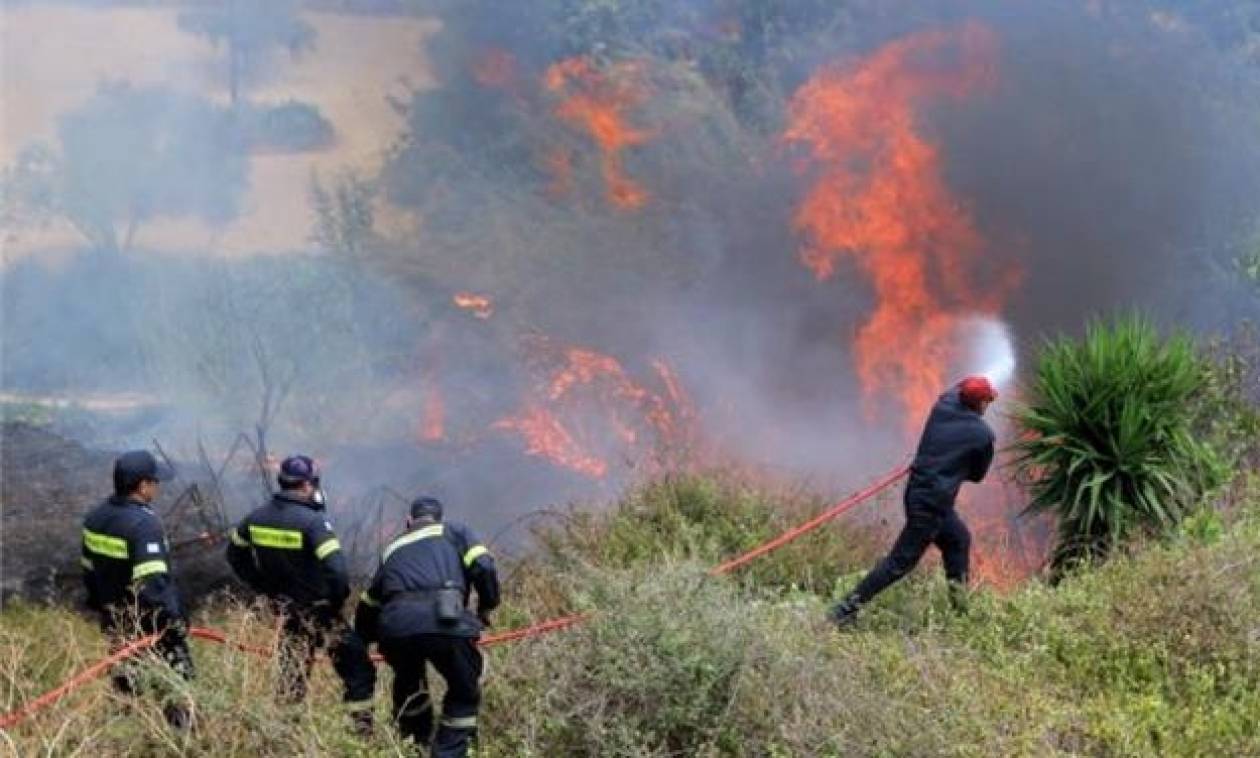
(989, 351)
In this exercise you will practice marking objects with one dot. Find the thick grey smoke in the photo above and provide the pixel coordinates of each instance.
(1111, 164)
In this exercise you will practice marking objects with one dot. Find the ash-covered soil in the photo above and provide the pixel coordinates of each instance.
(49, 482)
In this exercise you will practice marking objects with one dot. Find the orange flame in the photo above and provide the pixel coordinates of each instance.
(545, 436)
(595, 103)
(589, 407)
(479, 305)
(879, 199)
(1008, 548)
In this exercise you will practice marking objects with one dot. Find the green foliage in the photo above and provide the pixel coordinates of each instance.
(711, 518)
(1108, 441)
(1151, 654)
(1227, 407)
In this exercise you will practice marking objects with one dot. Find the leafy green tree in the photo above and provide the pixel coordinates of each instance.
(1108, 439)
(251, 31)
(128, 155)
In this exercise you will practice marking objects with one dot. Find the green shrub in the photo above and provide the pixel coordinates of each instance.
(1108, 443)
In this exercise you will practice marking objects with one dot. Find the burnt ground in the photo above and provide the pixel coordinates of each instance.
(48, 483)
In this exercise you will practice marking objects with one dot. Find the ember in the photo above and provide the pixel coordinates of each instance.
(478, 305)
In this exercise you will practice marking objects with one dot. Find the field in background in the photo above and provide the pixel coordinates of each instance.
(53, 58)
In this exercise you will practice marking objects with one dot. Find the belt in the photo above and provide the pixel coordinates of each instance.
(425, 595)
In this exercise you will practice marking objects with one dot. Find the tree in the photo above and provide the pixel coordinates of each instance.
(128, 155)
(343, 213)
(251, 31)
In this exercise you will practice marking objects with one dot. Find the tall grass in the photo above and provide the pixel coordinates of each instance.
(1108, 440)
(1154, 654)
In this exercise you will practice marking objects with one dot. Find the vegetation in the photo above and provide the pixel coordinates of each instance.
(1109, 444)
(1152, 654)
(126, 156)
(251, 32)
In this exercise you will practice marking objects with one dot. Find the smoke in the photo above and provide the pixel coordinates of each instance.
(622, 186)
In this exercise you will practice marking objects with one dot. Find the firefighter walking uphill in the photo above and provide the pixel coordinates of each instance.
(956, 446)
(287, 551)
(416, 608)
(128, 575)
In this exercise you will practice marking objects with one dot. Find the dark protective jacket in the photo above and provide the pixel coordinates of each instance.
(956, 446)
(287, 550)
(400, 602)
(126, 564)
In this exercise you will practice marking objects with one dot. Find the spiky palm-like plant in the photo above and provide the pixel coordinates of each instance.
(1106, 437)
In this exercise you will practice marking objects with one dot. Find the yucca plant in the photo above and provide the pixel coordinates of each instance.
(1106, 437)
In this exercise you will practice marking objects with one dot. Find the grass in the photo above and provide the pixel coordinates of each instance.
(1154, 653)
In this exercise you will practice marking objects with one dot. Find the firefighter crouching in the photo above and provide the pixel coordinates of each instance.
(287, 551)
(128, 575)
(417, 610)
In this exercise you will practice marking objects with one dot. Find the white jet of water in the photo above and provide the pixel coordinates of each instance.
(990, 349)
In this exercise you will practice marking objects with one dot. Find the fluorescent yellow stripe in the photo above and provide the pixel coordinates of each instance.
(366, 599)
(416, 536)
(86, 562)
(326, 548)
(103, 544)
(141, 570)
(280, 539)
(474, 552)
(237, 539)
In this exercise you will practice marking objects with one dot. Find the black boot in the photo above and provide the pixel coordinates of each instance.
(177, 716)
(361, 722)
(845, 613)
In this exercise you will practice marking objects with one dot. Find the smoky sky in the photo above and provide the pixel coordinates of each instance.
(1113, 163)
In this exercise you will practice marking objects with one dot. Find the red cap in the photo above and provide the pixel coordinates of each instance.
(976, 389)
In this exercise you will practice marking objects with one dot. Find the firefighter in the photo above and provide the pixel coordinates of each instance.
(417, 610)
(956, 446)
(287, 551)
(128, 574)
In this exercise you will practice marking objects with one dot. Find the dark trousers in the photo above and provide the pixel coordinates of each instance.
(304, 633)
(925, 525)
(171, 647)
(458, 661)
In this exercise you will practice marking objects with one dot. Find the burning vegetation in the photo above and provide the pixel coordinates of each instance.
(588, 409)
(596, 102)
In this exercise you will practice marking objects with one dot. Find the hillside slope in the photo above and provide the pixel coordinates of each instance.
(1153, 654)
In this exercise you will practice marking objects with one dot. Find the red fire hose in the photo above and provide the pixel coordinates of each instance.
(212, 635)
(77, 681)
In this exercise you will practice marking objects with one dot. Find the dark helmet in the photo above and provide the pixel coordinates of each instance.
(135, 466)
(426, 508)
(297, 469)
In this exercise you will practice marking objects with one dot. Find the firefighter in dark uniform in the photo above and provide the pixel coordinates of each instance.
(128, 574)
(956, 446)
(287, 551)
(417, 610)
